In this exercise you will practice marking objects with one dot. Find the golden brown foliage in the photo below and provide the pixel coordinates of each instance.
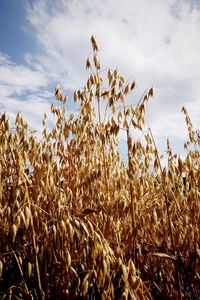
(77, 221)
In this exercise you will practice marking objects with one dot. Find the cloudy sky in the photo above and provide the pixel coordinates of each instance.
(156, 42)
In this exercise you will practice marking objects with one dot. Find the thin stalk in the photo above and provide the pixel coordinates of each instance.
(41, 292)
(133, 217)
(104, 160)
(99, 113)
(21, 272)
(104, 156)
(169, 221)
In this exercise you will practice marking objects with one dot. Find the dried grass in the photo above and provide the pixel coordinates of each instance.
(77, 222)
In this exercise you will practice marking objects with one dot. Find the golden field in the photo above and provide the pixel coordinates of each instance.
(77, 222)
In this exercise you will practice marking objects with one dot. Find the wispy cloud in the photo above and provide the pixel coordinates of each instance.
(156, 42)
(22, 89)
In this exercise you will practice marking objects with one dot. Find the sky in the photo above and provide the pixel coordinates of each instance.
(155, 42)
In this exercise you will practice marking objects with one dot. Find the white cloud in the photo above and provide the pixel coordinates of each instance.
(156, 42)
(16, 79)
(21, 90)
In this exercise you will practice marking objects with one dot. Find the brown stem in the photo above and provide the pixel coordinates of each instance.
(41, 292)
(176, 263)
(133, 217)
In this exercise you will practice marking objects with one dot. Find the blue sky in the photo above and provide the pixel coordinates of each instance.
(155, 42)
(15, 40)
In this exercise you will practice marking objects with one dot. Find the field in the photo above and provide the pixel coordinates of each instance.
(77, 222)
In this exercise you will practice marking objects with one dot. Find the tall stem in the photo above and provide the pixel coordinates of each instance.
(133, 217)
(104, 159)
(99, 113)
(176, 263)
(41, 292)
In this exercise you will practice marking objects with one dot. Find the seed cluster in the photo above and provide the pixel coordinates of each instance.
(77, 222)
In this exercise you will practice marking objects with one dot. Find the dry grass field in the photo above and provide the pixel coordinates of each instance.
(77, 222)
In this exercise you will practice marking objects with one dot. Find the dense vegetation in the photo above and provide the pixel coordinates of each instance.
(78, 222)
